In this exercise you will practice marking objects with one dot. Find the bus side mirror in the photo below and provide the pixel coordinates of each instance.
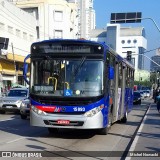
(25, 69)
(111, 73)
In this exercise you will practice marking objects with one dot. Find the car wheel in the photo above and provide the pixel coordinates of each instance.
(23, 116)
(2, 112)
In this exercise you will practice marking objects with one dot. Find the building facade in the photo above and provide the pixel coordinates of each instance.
(86, 17)
(86, 21)
(19, 27)
(122, 40)
(54, 19)
(156, 58)
(133, 39)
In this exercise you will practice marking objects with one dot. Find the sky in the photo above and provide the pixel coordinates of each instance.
(149, 9)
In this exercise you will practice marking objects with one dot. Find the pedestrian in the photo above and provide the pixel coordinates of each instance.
(154, 95)
(157, 92)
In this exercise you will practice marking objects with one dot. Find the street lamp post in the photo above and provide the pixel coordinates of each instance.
(149, 59)
(153, 22)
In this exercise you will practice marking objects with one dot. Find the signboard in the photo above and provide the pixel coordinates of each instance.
(4, 43)
(130, 17)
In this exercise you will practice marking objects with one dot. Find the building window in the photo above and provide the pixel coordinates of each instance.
(18, 33)
(2, 26)
(37, 30)
(58, 16)
(129, 41)
(10, 29)
(58, 34)
(31, 38)
(123, 41)
(134, 41)
(25, 35)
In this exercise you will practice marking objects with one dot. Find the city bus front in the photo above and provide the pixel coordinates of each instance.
(67, 91)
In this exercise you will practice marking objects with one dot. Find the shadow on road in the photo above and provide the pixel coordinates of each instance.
(15, 125)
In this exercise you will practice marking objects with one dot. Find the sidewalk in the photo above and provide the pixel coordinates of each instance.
(147, 140)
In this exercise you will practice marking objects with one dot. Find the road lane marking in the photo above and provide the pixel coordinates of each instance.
(6, 120)
(16, 140)
(133, 146)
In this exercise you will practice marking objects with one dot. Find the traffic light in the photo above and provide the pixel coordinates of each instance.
(129, 55)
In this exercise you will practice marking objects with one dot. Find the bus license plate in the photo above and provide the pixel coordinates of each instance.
(8, 106)
(63, 121)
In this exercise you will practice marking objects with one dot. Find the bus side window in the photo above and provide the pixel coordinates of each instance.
(120, 75)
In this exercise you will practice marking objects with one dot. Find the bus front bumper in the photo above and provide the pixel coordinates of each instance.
(67, 121)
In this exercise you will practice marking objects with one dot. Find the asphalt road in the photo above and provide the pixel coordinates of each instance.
(17, 135)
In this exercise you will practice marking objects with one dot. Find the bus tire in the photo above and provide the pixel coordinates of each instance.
(104, 131)
(124, 119)
(110, 116)
(2, 112)
(53, 130)
(23, 116)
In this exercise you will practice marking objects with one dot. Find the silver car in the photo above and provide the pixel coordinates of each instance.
(25, 109)
(13, 100)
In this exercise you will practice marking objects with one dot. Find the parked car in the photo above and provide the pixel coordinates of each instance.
(25, 109)
(136, 97)
(12, 101)
(158, 103)
(147, 93)
(142, 94)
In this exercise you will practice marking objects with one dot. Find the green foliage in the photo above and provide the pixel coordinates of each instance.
(143, 83)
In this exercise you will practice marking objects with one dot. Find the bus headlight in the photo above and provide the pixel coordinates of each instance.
(94, 111)
(23, 104)
(19, 101)
(38, 111)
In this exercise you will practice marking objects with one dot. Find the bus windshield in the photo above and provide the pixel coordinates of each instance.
(75, 78)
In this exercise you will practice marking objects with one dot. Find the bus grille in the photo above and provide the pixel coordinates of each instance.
(66, 113)
(72, 123)
(68, 103)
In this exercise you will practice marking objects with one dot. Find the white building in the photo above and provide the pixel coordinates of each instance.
(122, 40)
(19, 27)
(55, 19)
(86, 17)
(133, 39)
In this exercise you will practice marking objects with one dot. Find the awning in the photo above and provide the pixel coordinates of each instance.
(17, 58)
(7, 68)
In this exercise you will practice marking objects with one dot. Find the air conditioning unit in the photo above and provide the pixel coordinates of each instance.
(4, 52)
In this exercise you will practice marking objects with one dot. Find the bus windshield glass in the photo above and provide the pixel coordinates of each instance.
(75, 78)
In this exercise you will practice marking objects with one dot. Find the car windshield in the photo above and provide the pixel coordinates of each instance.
(75, 78)
(17, 93)
(136, 94)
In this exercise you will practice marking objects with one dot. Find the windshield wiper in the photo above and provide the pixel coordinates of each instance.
(75, 72)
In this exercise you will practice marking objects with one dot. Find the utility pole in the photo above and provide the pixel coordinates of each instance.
(16, 74)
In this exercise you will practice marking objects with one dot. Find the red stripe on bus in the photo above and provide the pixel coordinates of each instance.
(46, 108)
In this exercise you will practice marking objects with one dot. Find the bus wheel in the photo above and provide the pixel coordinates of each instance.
(2, 112)
(53, 130)
(124, 119)
(23, 116)
(110, 117)
(104, 131)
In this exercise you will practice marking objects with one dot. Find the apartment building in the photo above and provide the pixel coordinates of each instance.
(86, 18)
(156, 58)
(54, 19)
(123, 39)
(19, 28)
